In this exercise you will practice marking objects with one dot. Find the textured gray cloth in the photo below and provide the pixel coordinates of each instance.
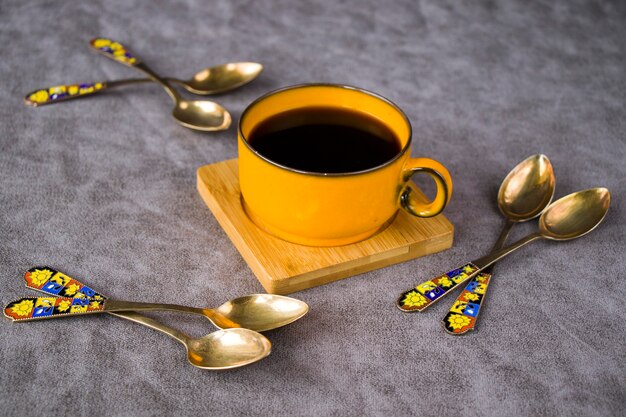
(104, 190)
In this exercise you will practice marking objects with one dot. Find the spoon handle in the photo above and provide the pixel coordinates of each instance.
(66, 92)
(53, 282)
(114, 50)
(57, 284)
(463, 315)
(58, 93)
(35, 308)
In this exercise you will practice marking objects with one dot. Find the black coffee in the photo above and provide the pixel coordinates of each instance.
(325, 140)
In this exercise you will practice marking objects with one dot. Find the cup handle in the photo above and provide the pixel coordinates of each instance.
(442, 178)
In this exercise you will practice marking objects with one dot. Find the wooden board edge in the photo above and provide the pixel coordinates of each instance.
(350, 269)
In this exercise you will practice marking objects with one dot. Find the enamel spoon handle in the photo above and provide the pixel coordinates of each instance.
(57, 284)
(66, 92)
(426, 293)
(462, 316)
(35, 308)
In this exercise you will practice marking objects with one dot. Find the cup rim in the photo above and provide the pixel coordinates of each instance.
(323, 174)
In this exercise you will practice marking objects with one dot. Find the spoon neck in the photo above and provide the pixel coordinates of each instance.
(153, 324)
(494, 257)
(504, 234)
(115, 305)
(175, 95)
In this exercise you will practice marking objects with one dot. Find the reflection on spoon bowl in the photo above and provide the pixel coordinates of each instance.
(201, 115)
(575, 215)
(227, 349)
(527, 189)
(263, 312)
(222, 78)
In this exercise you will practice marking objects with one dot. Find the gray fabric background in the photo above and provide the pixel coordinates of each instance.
(104, 189)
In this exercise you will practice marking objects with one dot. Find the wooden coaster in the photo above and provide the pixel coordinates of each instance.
(283, 267)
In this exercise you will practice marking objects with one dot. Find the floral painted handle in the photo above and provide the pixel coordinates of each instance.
(426, 293)
(33, 308)
(56, 283)
(462, 316)
(62, 92)
(114, 50)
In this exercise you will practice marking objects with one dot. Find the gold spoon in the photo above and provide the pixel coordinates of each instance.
(259, 312)
(524, 194)
(212, 80)
(195, 114)
(220, 350)
(567, 218)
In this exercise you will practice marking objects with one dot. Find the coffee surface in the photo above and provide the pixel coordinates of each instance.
(325, 140)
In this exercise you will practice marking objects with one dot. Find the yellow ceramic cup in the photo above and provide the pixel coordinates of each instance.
(318, 209)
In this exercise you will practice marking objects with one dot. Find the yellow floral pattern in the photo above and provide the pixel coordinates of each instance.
(457, 321)
(22, 308)
(40, 276)
(64, 305)
(72, 289)
(470, 296)
(445, 282)
(115, 49)
(414, 299)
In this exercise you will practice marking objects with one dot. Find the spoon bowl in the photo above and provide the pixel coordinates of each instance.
(227, 349)
(527, 189)
(261, 312)
(222, 78)
(201, 115)
(575, 215)
(220, 350)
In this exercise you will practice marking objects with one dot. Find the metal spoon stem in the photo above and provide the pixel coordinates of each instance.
(211, 314)
(153, 324)
(173, 93)
(504, 234)
(494, 257)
